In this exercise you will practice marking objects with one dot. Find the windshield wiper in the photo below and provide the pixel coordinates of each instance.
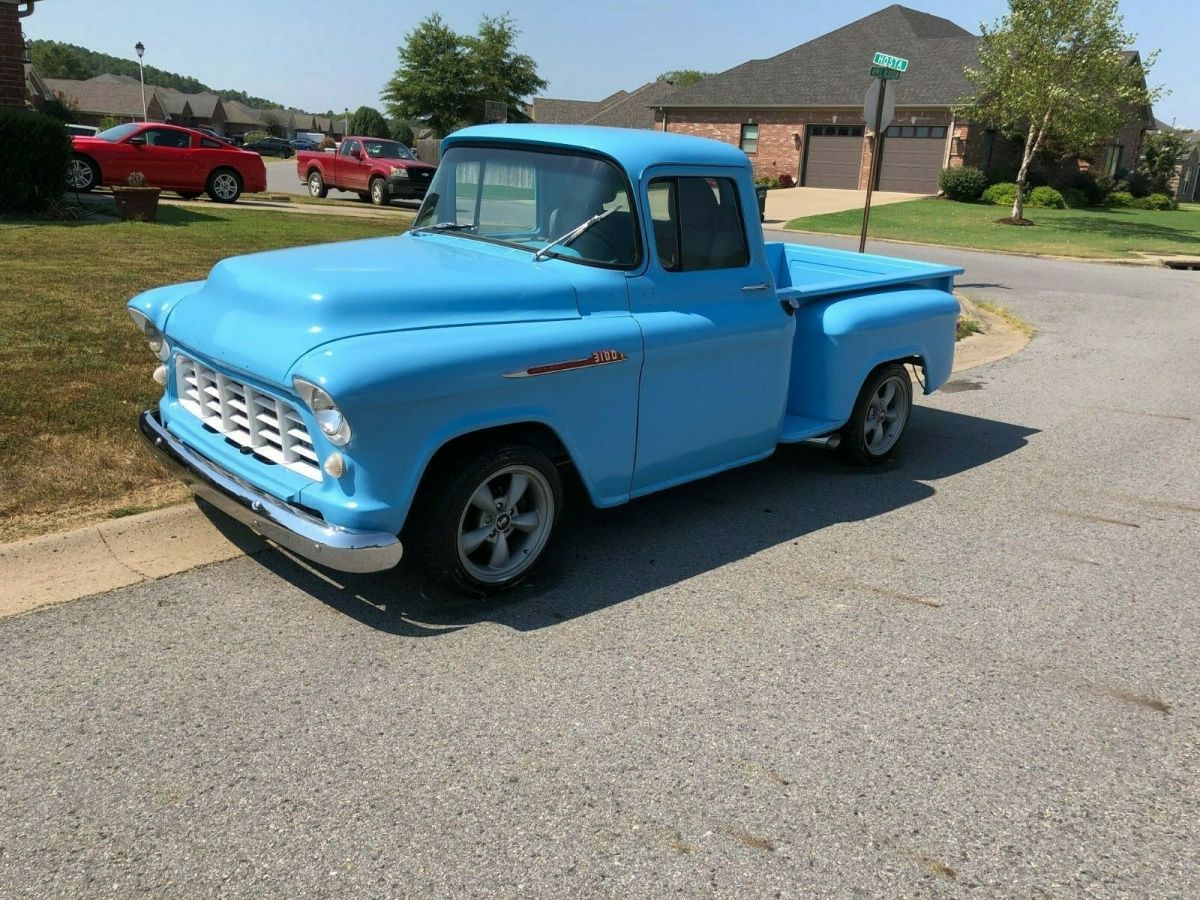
(443, 226)
(573, 234)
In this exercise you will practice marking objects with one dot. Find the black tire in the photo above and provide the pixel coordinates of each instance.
(364, 196)
(83, 174)
(445, 517)
(378, 194)
(221, 189)
(869, 437)
(187, 196)
(316, 185)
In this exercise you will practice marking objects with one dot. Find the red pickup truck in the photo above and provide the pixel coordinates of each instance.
(378, 170)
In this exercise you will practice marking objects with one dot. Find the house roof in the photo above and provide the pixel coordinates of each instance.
(634, 109)
(833, 70)
(238, 113)
(117, 95)
(554, 111)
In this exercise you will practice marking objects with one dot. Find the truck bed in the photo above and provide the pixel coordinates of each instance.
(802, 272)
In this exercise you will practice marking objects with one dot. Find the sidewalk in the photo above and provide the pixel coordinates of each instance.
(366, 211)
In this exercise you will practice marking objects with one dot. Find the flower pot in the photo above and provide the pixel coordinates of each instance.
(137, 204)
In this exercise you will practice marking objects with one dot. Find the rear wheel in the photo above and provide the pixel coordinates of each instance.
(224, 186)
(379, 191)
(82, 174)
(316, 185)
(880, 416)
(364, 196)
(484, 524)
(187, 196)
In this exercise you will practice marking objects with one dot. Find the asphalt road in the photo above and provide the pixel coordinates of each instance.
(973, 671)
(282, 178)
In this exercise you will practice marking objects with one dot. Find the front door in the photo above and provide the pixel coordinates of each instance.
(165, 158)
(352, 167)
(717, 342)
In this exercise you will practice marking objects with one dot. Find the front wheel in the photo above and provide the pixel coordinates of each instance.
(224, 186)
(379, 191)
(483, 526)
(880, 416)
(82, 174)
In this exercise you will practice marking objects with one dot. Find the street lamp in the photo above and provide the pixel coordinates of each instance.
(141, 49)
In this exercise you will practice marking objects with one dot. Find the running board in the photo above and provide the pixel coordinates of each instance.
(798, 428)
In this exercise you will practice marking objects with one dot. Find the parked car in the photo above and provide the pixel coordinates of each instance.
(599, 299)
(378, 170)
(82, 130)
(211, 132)
(176, 159)
(299, 144)
(271, 146)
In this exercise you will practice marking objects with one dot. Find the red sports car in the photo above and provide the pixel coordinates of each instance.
(173, 158)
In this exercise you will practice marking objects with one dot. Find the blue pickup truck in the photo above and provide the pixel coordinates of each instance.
(599, 300)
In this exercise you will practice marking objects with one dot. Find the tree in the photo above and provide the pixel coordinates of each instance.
(402, 132)
(272, 123)
(366, 121)
(683, 78)
(109, 122)
(1161, 151)
(1056, 72)
(54, 60)
(444, 77)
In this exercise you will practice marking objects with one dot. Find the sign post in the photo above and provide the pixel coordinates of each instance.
(879, 104)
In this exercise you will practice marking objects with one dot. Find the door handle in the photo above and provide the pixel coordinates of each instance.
(761, 286)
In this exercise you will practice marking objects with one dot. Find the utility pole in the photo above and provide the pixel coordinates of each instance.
(141, 49)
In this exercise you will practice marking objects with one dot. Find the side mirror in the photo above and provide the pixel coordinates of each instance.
(138, 140)
(358, 154)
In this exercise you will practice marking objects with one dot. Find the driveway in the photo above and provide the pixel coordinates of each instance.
(971, 671)
(786, 204)
(282, 179)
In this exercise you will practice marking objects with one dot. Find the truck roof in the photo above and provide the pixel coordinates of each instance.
(635, 149)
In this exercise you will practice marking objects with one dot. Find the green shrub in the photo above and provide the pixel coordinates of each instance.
(1093, 190)
(1045, 197)
(108, 122)
(1159, 202)
(1120, 199)
(1135, 183)
(965, 184)
(770, 182)
(1075, 198)
(34, 153)
(1001, 194)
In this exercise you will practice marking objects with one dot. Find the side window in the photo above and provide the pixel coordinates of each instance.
(162, 137)
(209, 143)
(697, 224)
(349, 147)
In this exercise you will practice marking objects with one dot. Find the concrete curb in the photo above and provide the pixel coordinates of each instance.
(58, 568)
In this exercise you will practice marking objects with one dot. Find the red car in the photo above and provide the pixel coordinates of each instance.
(176, 159)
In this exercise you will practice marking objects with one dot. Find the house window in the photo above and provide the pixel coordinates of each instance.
(697, 224)
(1113, 162)
(749, 139)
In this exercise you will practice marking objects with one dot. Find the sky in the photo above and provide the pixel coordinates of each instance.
(332, 54)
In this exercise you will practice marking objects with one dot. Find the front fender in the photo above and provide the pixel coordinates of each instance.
(156, 304)
(406, 394)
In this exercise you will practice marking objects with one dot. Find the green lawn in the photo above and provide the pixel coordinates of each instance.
(75, 370)
(1095, 233)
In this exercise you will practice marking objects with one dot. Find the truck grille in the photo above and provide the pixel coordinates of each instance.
(272, 429)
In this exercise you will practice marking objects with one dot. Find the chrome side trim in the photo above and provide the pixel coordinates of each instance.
(598, 358)
(277, 521)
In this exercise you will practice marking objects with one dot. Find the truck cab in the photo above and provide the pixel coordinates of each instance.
(599, 299)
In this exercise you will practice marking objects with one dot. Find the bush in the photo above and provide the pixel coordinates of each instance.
(1075, 198)
(1090, 186)
(1045, 197)
(108, 122)
(786, 180)
(1135, 183)
(1002, 194)
(35, 151)
(1120, 199)
(1159, 202)
(965, 184)
(770, 182)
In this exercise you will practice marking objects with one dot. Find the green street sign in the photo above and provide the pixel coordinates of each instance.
(885, 73)
(890, 62)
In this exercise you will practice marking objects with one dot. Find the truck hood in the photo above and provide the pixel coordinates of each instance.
(260, 313)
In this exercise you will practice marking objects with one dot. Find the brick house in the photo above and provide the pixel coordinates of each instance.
(12, 52)
(801, 112)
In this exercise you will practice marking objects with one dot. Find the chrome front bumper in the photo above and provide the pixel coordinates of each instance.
(279, 522)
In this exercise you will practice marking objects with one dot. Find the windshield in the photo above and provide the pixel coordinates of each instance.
(119, 131)
(386, 150)
(531, 198)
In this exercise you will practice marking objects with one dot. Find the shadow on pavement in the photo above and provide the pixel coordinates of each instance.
(603, 557)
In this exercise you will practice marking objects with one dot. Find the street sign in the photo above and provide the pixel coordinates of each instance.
(891, 62)
(871, 102)
(884, 73)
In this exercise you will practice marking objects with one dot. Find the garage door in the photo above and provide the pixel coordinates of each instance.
(912, 158)
(832, 156)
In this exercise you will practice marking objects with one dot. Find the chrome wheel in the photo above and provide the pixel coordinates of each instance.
(377, 191)
(887, 414)
(225, 186)
(80, 176)
(505, 525)
(315, 185)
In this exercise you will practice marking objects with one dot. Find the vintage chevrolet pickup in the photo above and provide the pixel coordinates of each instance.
(599, 300)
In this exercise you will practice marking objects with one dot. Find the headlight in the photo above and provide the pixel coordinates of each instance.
(154, 337)
(400, 171)
(329, 418)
